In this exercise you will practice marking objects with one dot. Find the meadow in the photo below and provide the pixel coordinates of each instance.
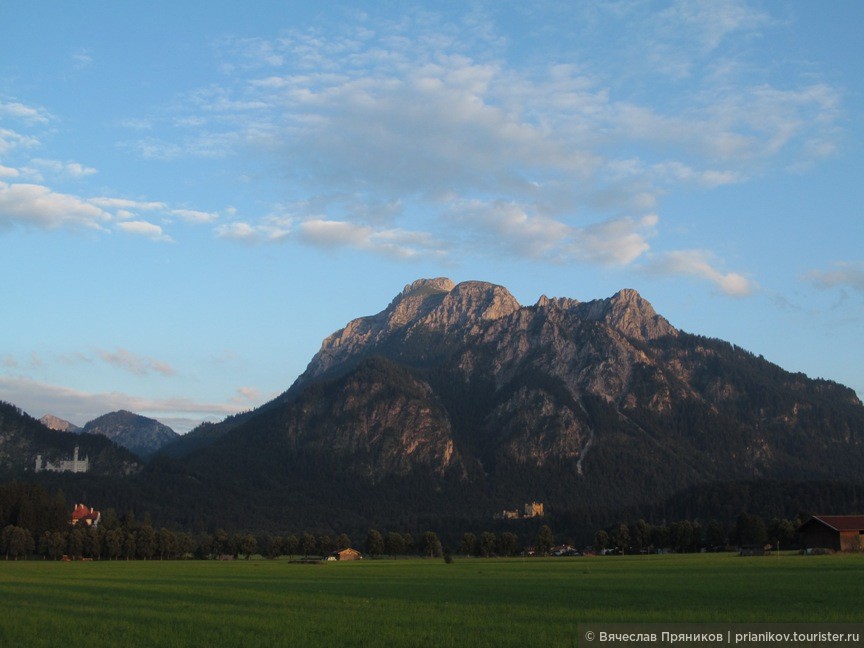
(410, 602)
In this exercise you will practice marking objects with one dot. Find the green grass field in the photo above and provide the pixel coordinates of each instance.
(472, 602)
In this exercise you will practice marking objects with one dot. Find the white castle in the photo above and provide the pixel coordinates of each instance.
(75, 465)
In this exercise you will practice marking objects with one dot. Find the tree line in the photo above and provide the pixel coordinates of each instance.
(687, 536)
(36, 523)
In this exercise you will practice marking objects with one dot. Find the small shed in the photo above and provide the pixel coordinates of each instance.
(837, 532)
(345, 554)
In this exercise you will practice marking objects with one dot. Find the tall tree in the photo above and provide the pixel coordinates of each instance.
(508, 544)
(248, 545)
(16, 542)
(620, 537)
(487, 544)
(601, 540)
(431, 545)
(394, 544)
(307, 544)
(545, 540)
(468, 544)
(145, 542)
(374, 543)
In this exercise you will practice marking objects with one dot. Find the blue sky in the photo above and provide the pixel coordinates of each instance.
(194, 195)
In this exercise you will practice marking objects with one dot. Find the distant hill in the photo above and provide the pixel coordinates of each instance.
(139, 434)
(22, 438)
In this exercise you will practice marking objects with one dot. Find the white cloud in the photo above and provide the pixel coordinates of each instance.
(270, 229)
(27, 114)
(8, 172)
(73, 170)
(618, 241)
(37, 205)
(700, 264)
(402, 112)
(125, 203)
(10, 140)
(676, 39)
(238, 231)
(145, 229)
(194, 215)
(508, 227)
(396, 244)
(432, 116)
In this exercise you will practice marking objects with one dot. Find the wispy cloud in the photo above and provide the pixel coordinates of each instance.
(510, 228)
(402, 138)
(22, 112)
(73, 170)
(119, 358)
(700, 264)
(134, 363)
(10, 140)
(842, 275)
(406, 113)
(394, 243)
(270, 229)
(39, 398)
(145, 229)
(37, 205)
(82, 58)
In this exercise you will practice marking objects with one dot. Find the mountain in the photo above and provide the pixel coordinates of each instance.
(139, 434)
(455, 402)
(24, 441)
(54, 423)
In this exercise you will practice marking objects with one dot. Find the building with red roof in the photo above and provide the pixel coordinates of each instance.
(837, 532)
(86, 516)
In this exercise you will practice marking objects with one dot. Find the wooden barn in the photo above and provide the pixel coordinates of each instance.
(837, 532)
(345, 554)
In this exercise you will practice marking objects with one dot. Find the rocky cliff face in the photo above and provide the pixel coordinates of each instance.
(573, 401)
(55, 423)
(139, 434)
(427, 306)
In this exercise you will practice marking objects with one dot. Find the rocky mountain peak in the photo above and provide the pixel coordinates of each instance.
(414, 301)
(471, 302)
(425, 286)
(56, 423)
(630, 313)
(561, 303)
(427, 304)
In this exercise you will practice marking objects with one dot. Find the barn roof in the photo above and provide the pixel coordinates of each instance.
(81, 512)
(839, 522)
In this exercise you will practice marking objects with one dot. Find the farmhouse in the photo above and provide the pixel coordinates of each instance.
(85, 516)
(837, 532)
(345, 554)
